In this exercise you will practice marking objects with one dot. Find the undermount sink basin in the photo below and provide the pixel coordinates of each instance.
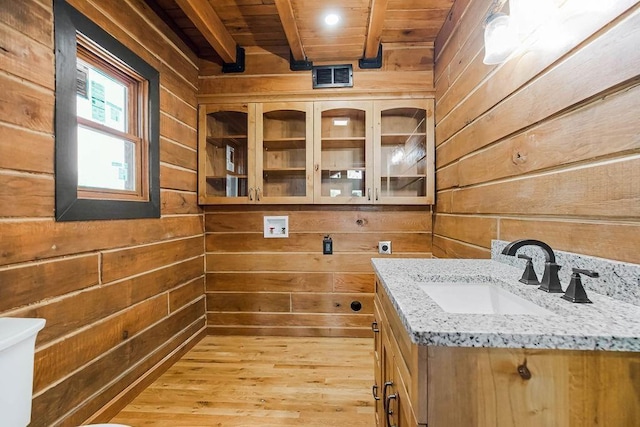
(479, 299)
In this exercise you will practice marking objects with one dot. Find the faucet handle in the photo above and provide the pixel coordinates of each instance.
(589, 273)
(529, 276)
(575, 292)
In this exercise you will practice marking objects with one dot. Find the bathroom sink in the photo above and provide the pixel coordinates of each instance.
(479, 299)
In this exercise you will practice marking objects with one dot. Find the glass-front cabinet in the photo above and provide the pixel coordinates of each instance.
(324, 152)
(256, 153)
(284, 154)
(404, 152)
(225, 144)
(343, 153)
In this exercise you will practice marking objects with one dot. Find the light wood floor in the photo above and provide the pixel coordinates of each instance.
(262, 381)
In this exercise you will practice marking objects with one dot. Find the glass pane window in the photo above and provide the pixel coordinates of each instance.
(110, 147)
(107, 124)
(100, 97)
(105, 161)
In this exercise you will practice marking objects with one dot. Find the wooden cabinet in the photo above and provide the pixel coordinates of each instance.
(328, 152)
(225, 156)
(400, 370)
(256, 153)
(404, 152)
(284, 140)
(498, 387)
(343, 136)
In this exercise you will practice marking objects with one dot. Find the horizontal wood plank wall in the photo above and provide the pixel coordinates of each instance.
(407, 72)
(286, 286)
(258, 286)
(122, 299)
(546, 145)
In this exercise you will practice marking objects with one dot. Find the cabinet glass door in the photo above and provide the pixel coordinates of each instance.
(404, 153)
(285, 152)
(343, 154)
(225, 155)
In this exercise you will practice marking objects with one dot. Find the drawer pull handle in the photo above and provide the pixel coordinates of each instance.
(374, 327)
(374, 391)
(389, 410)
(384, 394)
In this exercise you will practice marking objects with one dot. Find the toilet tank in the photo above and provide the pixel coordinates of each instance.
(17, 346)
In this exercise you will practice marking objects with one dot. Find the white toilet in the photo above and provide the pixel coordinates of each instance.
(17, 345)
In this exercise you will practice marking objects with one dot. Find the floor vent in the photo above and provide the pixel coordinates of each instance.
(332, 76)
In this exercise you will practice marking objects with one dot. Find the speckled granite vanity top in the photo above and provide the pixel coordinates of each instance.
(607, 324)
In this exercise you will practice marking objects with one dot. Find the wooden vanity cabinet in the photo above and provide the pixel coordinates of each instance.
(499, 387)
(400, 370)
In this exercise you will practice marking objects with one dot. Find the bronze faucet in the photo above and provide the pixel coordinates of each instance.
(550, 281)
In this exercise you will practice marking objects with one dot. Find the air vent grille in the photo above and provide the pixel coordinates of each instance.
(332, 76)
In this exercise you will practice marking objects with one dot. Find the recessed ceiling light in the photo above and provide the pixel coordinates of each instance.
(331, 19)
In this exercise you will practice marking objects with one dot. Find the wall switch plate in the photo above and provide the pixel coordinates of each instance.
(384, 247)
(327, 245)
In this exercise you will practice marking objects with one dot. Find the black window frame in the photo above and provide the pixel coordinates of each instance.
(68, 22)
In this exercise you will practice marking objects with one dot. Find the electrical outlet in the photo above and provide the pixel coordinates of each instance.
(384, 247)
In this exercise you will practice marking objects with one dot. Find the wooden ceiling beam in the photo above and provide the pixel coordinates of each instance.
(288, 19)
(209, 24)
(374, 30)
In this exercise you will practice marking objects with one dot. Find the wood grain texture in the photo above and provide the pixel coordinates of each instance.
(287, 286)
(122, 263)
(567, 388)
(601, 239)
(60, 359)
(57, 400)
(100, 338)
(31, 283)
(310, 391)
(543, 145)
(23, 195)
(37, 240)
(115, 397)
(23, 150)
(269, 282)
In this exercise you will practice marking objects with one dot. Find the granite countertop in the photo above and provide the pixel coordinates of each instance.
(607, 324)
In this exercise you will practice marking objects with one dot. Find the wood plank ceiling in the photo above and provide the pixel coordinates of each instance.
(213, 28)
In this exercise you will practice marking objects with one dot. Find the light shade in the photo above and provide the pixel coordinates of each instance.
(500, 39)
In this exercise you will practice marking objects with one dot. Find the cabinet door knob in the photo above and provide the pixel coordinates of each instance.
(251, 194)
(377, 196)
(374, 327)
(368, 194)
(374, 391)
(317, 167)
(258, 194)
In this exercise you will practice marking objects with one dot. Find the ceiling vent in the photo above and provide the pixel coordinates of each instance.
(332, 76)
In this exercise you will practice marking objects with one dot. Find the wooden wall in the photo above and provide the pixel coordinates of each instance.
(407, 71)
(546, 145)
(122, 299)
(258, 286)
(261, 286)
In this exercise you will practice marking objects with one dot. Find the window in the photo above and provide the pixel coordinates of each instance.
(107, 124)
